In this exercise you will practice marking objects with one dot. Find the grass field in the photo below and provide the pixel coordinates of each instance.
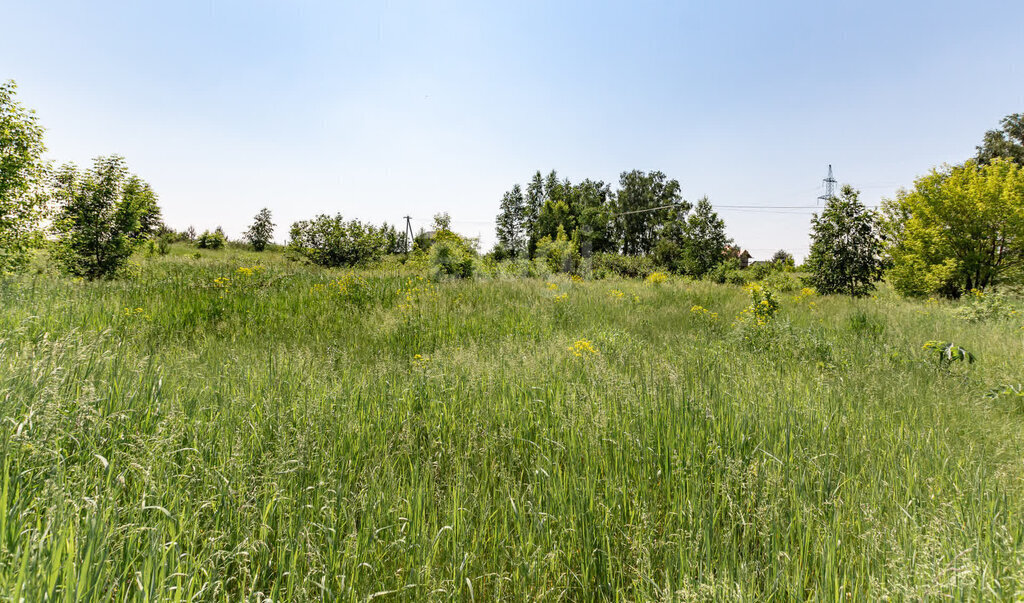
(238, 427)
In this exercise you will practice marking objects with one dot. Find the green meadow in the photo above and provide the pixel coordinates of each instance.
(233, 426)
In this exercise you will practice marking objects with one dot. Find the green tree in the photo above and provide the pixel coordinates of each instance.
(960, 228)
(704, 240)
(100, 219)
(331, 241)
(644, 201)
(1008, 141)
(511, 223)
(846, 247)
(261, 231)
(22, 173)
(534, 202)
(783, 259)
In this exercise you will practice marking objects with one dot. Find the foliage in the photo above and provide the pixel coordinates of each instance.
(212, 240)
(978, 306)
(960, 228)
(639, 223)
(1006, 142)
(948, 353)
(512, 224)
(763, 304)
(560, 254)
(104, 212)
(727, 271)
(783, 258)
(261, 231)
(846, 247)
(451, 254)
(608, 264)
(331, 241)
(22, 173)
(704, 240)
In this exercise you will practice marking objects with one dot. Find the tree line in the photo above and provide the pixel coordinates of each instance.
(645, 216)
(959, 228)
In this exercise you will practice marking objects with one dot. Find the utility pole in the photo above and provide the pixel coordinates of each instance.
(408, 235)
(830, 186)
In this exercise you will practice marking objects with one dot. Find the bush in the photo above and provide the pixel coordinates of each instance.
(783, 282)
(451, 255)
(604, 265)
(729, 272)
(331, 241)
(211, 240)
(560, 254)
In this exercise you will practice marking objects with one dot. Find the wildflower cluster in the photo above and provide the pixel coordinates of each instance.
(805, 293)
(583, 348)
(350, 288)
(222, 282)
(552, 286)
(415, 290)
(616, 294)
(656, 278)
(703, 313)
(135, 313)
(244, 271)
(561, 299)
(762, 308)
(420, 361)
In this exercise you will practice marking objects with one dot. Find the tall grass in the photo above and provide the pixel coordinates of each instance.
(294, 433)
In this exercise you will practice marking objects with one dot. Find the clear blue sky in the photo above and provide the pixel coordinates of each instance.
(382, 109)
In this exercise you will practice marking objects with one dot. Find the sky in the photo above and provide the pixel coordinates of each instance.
(382, 109)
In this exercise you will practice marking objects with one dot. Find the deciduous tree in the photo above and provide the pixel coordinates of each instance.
(959, 228)
(101, 216)
(261, 231)
(22, 173)
(846, 247)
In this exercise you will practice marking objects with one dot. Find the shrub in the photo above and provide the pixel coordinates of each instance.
(560, 253)
(783, 282)
(331, 241)
(604, 265)
(211, 240)
(450, 256)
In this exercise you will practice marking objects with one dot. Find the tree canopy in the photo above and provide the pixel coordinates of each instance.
(959, 228)
(103, 213)
(846, 247)
(22, 172)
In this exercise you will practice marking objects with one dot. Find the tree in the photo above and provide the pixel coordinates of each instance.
(846, 247)
(534, 201)
(511, 223)
(150, 219)
(101, 215)
(331, 241)
(704, 240)
(960, 228)
(261, 231)
(639, 222)
(212, 240)
(22, 173)
(1006, 142)
(783, 259)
